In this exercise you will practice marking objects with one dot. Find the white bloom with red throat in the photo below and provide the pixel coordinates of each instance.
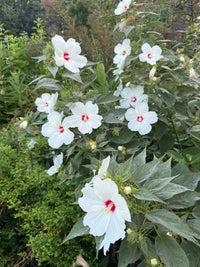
(140, 118)
(57, 162)
(67, 54)
(132, 95)
(122, 51)
(46, 102)
(85, 117)
(57, 130)
(150, 54)
(106, 210)
(122, 7)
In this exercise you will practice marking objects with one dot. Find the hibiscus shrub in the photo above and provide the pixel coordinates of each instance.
(128, 140)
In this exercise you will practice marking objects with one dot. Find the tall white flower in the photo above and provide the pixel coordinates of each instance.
(57, 130)
(140, 118)
(46, 102)
(122, 51)
(85, 117)
(132, 95)
(150, 54)
(122, 7)
(57, 162)
(67, 54)
(106, 210)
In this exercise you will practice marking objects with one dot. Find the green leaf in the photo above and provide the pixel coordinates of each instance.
(144, 194)
(101, 75)
(50, 84)
(193, 253)
(194, 224)
(195, 132)
(172, 222)
(166, 142)
(147, 247)
(170, 252)
(145, 171)
(125, 136)
(53, 70)
(138, 160)
(111, 118)
(184, 200)
(77, 230)
(125, 167)
(74, 76)
(105, 99)
(128, 253)
(155, 185)
(171, 189)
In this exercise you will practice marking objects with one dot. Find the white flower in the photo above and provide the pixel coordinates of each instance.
(140, 118)
(57, 131)
(67, 54)
(46, 102)
(122, 50)
(104, 166)
(193, 73)
(132, 95)
(122, 7)
(57, 162)
(150, 54)
(106, 210)
(152, 73)
(31, 143)
(23, 125)
(85, 117)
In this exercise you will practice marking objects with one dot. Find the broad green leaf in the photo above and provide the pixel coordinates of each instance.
(74, 76)
(184, 200)
(195, 132)
(144, 194)
(170, 252)
(101, 75)
(138, 160)
(77, 230)
(155, 185)
(148, 248)
(145, 171)
(111, 118)
(166, 142)
(128, 253)
(125, 167)
(172, 222)
(194, 224)
(113, 167)
(193, 253)
(105, 99)
(125, 136)
(170, 190)
(48, 83)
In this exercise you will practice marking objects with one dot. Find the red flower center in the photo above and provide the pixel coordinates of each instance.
(125, 8)
(133, 99)
(149, 56)
(66, 56)
(85, 117)
(61, 129)
(46, 104)
(110, 206)
(140, 118)
(124, 53)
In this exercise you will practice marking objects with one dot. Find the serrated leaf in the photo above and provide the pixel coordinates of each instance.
(144, 194)
(184, 200)
(170, 252)
(170, 190)
(77, 230)
(128, 253)
(125, 167)
(155, 185)
(171, 222)
(138, 160)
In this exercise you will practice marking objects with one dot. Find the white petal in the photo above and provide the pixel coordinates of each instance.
(58, 160)
(131, 115)
(85, 127)
(73, 47)
(55, 140)
(146, 48)
(78, 108)
(72, 121)
(67, 136)
(52, 170)
(156, 50)
(150, 117)
(145, 128)
(91, 108)
(143, 57)
(105, 189)
(134, 126)
(58, 42)
(103, 169)
(48, 129)
(79, 61)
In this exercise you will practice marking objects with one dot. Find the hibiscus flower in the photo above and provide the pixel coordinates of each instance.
(46, 102)
(132, 95)
(67, 54)
(122, 7)
(122, 51)
(57, 162)
(85, 117)
(106, 210)
(140, 118)
(57, 130)
(150, 54)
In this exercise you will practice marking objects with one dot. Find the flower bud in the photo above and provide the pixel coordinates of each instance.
(127, 190)
(129, 231)
(23, 125)
(120, 148)
(154, 262)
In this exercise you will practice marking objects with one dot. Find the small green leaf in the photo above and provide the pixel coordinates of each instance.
(170, 252)
(74, 76)
(105, 99)
(53, 70)
(77, 230)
